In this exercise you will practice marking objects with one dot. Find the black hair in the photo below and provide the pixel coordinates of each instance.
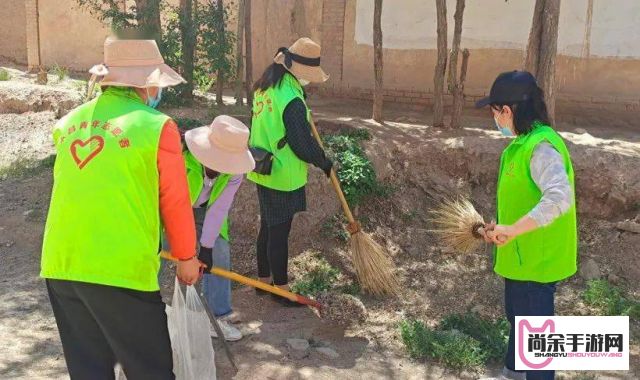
(271, 77)
(526, 112)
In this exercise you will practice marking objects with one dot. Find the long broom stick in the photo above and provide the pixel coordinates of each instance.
(254, 283)
(373, 265)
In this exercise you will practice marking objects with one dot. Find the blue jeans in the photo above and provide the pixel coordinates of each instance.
(216, 289)
(527, 298)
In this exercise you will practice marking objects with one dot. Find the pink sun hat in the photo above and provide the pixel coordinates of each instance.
(222, 146)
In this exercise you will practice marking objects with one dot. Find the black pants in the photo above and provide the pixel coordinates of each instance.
(527, 298)
(273, 251)
(101, 325)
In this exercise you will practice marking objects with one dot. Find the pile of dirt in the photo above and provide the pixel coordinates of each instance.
(21, 97)
(26, 136)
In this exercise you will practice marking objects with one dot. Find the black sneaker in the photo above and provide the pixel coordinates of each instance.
(261, 293)
(286, 302)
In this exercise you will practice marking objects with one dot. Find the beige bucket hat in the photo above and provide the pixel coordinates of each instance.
(222, 146)
(302, 59)
(134, 63)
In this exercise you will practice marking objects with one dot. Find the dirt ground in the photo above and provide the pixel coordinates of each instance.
(421, 164)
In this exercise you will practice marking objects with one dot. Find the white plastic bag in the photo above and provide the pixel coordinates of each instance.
(193, 356)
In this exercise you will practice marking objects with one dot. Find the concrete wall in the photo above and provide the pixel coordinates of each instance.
(13, 32)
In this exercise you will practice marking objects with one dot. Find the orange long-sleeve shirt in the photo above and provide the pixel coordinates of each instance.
(175, 205)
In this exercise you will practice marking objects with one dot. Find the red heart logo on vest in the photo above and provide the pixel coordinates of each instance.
(95, 149)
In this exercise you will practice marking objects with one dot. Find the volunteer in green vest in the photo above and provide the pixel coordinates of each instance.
(217, 156)
(536, 234)
(280, 125)
(119, 174)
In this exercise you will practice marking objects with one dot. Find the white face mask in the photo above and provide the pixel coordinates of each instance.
(303, 82)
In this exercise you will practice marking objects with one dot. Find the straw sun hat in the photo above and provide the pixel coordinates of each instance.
(302, 59)
(222, 146)
(134, 63)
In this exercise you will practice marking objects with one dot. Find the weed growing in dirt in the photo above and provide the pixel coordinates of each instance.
(451, 348)
(60, 71)
(4, 75)
(24, 167)
(333, 227)
(354, 169)
(609, 300)
(319, 279)
(492, 336)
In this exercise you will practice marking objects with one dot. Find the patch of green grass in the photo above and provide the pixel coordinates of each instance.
(355, 171)
(4, 75)
(451, 348)
(60, 71)
(319, 279)
(24, 167)
(352, 288)
(81, 86)
(492, 336)
(610, 300)
(333, 227)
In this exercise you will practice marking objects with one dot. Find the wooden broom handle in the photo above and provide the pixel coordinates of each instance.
(254, 283)
(353, 225)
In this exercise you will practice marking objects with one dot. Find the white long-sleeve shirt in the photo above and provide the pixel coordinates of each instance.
(549, 174)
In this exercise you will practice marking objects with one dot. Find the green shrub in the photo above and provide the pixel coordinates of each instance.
(320, 278)
(4, 75)
(355, 171)
(451, 348)
(609, 300)
(60, 71)
(492, 336)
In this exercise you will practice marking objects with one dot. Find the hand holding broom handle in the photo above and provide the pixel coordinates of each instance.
(353, 227)
(253, 283)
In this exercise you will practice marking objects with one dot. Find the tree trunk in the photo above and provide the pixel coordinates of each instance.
(188, 46)
(220, 76)
(239, 55)
(458, 92)
(540, 58)
(148, 17)
(441, 64)
(455, 45)
(248, 56)
(378, 95)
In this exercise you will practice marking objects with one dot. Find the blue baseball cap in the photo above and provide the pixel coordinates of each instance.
(510, 88)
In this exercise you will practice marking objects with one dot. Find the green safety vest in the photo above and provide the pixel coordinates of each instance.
(195, 178)
(546, 254)
(103, 225)
(267, 129)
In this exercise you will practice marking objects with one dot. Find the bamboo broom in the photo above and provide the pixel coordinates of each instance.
(459, 226)
(374, 267)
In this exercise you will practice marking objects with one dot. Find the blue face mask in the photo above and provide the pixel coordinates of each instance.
(153, 102)
(505, 131)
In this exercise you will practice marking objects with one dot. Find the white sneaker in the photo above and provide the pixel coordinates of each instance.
(231, 334)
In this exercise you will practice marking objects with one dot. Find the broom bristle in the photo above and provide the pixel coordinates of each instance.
(374, 267)
(455, 223)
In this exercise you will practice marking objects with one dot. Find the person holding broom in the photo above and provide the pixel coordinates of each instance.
(535, 234)
(118, 173)
(216, 158)
(280, 127)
